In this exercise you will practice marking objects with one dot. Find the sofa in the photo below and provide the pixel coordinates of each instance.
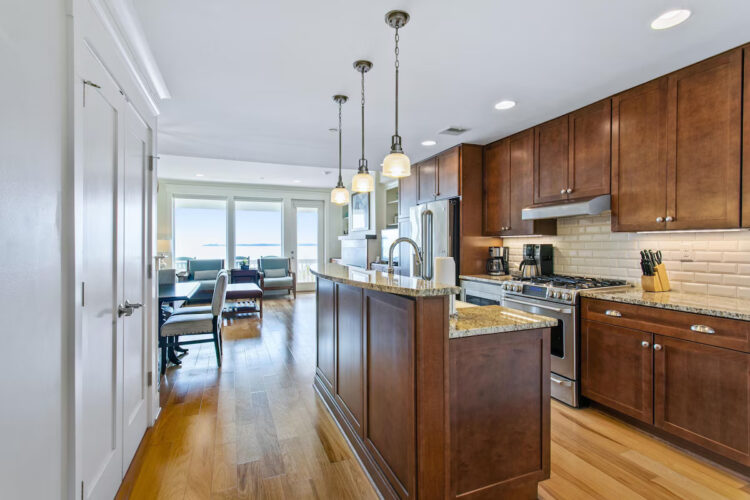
(204, 271)
(276, 274)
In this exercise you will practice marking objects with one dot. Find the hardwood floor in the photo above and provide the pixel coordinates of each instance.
(255, 429)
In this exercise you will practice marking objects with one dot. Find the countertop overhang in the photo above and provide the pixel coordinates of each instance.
(485, 320)
(383, 282)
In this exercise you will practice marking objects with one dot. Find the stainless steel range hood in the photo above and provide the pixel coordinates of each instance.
(591, 206)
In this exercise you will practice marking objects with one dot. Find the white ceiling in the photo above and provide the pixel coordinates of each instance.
(253, 80)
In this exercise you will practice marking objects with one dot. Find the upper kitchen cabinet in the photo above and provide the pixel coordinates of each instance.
(704, 127)
(427, 180)
(746, 144)
(639, 157)
(407, 192)
(509, 187)
(551, 161)
(448, 174)
(589, 150)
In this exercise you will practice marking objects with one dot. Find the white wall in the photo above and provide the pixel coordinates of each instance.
(168, 189)
(34, 56)
(714, 263)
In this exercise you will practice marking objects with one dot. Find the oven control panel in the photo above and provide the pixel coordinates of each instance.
(539, 292)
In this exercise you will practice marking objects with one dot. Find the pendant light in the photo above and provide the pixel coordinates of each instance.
(396, 164)
(363, 182)
(339, 194)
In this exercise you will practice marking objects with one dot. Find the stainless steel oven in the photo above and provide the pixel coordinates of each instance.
(563, 343)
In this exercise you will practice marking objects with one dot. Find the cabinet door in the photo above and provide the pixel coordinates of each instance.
(449, 173)
(617, 369)
(639, 158)
(496, 185)
(551, 161)
(589, 150)
(427, 180)
(326, 331)
(407, 192)
(521, 154)
(703, 137)
(746, 144)
(350, 355)
(701, 395)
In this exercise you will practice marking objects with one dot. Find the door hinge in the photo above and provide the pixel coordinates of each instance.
(83, 293)
(90, 84)
(151, 162)
(81, 490)
(150, 379)
(150, 271)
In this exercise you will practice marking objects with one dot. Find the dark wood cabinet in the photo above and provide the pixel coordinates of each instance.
(589, 150)
(326, 315)
(427, 180)
(617, 368)
(449, 174)
(407, 192)
(551, 158)
(639, 158)
(702, 395)
(509, 185)
(350, 377)
(496, 188)
(704, 128)
(746, 141)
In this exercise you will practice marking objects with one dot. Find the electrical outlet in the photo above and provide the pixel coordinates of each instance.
(687, 255)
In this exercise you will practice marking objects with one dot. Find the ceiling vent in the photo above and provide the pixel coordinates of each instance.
(453, 131)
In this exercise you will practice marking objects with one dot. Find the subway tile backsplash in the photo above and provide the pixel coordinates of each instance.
(714, 263)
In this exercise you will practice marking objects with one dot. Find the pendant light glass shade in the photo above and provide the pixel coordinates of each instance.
(339, 194)
(363, 183)
(396, 164)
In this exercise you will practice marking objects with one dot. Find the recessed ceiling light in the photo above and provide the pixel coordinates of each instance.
(199, 175)
(428, 143)
(296, 181)
(506, 104)
(670, 19)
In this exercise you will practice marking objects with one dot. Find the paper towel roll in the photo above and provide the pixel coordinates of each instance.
(445, 271)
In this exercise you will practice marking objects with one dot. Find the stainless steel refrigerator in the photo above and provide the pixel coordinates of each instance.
(444, 234)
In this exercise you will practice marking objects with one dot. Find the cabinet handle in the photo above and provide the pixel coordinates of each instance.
(645, 344)
(660, 219)
(703, 329)
(669, 219)
(657, 347)
(612, 312)
(562, 191)
(568, 190)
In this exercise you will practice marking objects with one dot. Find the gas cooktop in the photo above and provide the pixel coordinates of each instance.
(557, 287)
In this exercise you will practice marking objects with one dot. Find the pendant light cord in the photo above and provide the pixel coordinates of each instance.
(363, 114)
(340, 181)
(396, 52)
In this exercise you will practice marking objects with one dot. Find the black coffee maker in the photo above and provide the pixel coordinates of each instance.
(537, 260)
(497, 264)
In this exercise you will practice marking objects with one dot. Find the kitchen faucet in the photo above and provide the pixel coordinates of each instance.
(417, 253)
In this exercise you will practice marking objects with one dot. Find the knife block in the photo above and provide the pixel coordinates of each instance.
(659, 282)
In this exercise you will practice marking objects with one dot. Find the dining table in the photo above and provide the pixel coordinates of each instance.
(169, 293)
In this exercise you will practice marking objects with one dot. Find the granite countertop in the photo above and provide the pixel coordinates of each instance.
(710, 305)
(485, 278)
(473, 320)
(383, 282)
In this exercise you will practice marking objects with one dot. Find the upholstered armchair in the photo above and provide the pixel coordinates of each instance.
(204, 271)
(276, 274)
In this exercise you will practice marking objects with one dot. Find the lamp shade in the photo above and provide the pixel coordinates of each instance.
(340, 196)
(363, 183)
(396, 165)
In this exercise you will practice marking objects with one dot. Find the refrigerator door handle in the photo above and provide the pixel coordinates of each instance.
(427, 242)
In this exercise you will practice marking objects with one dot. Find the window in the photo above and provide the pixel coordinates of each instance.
(200, 230)
(258, 230)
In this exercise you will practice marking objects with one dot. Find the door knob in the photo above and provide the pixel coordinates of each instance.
(659, 219)
(645, 344)
(657, 347)
(669, 219)
(568, 190)
(136, 305)
(562, 191)
(124, 310)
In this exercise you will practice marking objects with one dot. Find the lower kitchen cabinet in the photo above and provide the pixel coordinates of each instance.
(674, 380)
(617, 368)
(701, 394)
(325, 304)
(349, 348)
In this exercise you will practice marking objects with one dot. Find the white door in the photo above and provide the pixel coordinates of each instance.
(135, 403)
(101, 333)
(309, 244)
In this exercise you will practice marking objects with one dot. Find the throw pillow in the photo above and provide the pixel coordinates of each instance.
(275, 273)
(205, 275)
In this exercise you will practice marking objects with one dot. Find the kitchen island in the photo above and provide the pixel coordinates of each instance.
(433, 406)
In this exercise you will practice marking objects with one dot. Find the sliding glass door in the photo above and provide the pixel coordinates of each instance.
(309, 238)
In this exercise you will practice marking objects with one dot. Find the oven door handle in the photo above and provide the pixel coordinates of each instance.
(558, 381)
(555, 309)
